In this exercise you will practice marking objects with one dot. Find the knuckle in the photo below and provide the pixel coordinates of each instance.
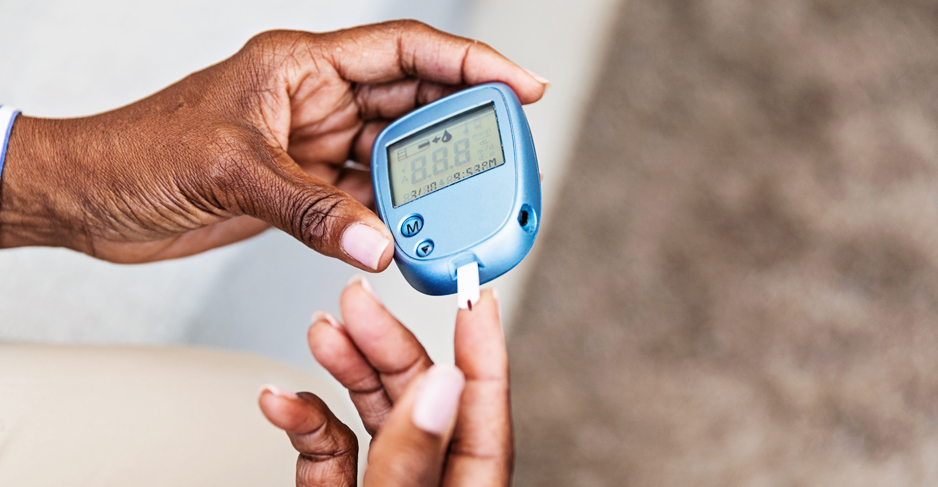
(267, 39)
(409, 27)
(260, 48)
(346, 439)
(281, 40)
(316, 215)
(482, 46)
(272, 47)
(408, 24)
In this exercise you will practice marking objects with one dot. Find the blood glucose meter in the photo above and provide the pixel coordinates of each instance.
(457, 183)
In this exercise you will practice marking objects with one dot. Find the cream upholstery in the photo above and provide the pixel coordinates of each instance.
(142, 416)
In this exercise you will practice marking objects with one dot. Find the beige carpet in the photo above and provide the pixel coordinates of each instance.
(740, 286)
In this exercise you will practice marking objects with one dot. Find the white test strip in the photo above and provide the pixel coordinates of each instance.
(467, 285)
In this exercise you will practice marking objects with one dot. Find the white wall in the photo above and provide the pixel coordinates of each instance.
(69, 59)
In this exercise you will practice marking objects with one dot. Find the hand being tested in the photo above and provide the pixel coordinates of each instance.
(432, 425)
(259, 139)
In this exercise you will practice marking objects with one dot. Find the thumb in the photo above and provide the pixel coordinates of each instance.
(316, 213)
(410, 448)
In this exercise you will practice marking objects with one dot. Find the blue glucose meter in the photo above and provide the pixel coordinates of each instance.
(457, 183)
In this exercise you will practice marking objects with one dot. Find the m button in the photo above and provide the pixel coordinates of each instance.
(412, 225)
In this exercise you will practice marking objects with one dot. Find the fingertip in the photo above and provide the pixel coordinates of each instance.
(488, 306)
(544, 86)
(328, 344)
(491, 65)
(277, 392)
(369, 246)
(438, 399)
(498, 304)
(533, 89)
(323, 333)
(540, 79)
(387, 256)
(489, 293)
(327, 317)
(480, 339)
(291, 412)
(365, 284)
(360, 303)
(276, 403)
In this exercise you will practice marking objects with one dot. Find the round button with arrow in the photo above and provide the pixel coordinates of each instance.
(424, 248)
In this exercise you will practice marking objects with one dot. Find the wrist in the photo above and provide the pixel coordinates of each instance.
(36, 164)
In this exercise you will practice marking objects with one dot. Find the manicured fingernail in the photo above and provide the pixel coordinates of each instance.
(540, 79)
(438, 398)
(365, 285)
(326, 316)
(279, 391)
(365, 244)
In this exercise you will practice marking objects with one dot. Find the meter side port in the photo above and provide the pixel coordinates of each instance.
(527, 218)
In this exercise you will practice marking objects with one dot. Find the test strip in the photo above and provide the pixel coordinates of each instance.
(467, 285)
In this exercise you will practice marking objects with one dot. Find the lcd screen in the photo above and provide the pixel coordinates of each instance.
(445, 153)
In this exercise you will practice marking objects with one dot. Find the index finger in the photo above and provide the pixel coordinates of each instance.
(482, 449)
(388, 346)
(408, 48)
(328, 448)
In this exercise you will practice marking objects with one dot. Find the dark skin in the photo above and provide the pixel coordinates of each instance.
(262, 139)
(381, 363)
(257, 140)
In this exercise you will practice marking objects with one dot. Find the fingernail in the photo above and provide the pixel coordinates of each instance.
(279, 391)
(498, 303)
(540, 79)
(366, 286)
(327, 316)
(365, 244)
(438, 398)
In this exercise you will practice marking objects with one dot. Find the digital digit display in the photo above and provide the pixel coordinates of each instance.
(445, 153)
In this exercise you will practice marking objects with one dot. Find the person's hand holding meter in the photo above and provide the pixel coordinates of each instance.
(260, 139)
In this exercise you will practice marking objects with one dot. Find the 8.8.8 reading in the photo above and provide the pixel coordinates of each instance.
(450, 179)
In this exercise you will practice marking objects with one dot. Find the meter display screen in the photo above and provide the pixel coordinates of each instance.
(443, 154)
